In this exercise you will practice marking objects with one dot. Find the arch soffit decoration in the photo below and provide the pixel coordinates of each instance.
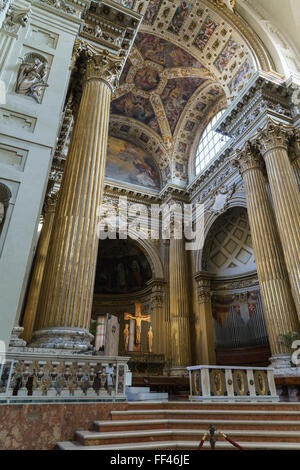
(227, 66)
(228, 247)
(151, 253)
(237, 201)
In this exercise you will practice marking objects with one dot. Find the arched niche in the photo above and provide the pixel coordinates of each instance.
(228, 247)
(122, 268)
(238, 319)
(128, 272)
(237, 201)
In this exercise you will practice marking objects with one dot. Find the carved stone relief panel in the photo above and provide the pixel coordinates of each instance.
(31, 79)
(5, 195)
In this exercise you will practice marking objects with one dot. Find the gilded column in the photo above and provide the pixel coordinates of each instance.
(67, 291)
(157, 300)
(167, 324)
(38, 269)
(204, 329)
(179, 306)
(279, 308)
(273, 143)
(295, 155)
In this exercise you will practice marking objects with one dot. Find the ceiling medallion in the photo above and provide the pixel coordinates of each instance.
(146, 79)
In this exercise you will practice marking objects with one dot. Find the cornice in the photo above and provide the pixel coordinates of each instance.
(266, 97)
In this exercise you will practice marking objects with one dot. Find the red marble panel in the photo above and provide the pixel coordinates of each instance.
(41, 426)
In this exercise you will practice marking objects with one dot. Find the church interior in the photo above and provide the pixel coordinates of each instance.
(149, 223)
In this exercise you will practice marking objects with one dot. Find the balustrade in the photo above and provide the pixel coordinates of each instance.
(218, 383)
(37, 377)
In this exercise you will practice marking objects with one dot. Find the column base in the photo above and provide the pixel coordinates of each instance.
(15, 341)
(75, 339)
(280, 361)
(179, 371)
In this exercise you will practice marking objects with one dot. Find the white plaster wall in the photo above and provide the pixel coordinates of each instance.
(29, 129)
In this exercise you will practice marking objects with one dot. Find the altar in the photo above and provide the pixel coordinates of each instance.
(146, 363)
(130, 335)
(142, 360)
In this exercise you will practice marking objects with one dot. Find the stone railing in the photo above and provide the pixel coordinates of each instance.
(26, 377)
(208, 383)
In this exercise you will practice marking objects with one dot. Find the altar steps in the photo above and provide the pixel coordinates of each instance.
(181, 445)
(182, 425)
(206, 414)
(144, 425)
(90, 438)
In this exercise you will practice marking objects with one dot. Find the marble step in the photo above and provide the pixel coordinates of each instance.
(137, 389)
(219, 405)
(90, 438)
(179, 444)
(231, 414)
(123, 425)
(143, 394)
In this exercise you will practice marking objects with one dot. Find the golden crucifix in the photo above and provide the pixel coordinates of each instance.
(138, 318)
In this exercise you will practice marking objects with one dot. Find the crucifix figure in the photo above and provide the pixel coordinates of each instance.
(138, 318)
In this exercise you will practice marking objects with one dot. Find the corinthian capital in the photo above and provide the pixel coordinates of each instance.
(203, 289)
(248, 158)
(296, 143)
(97, 64)
(104, 66)
(273, 135)
(50, 204)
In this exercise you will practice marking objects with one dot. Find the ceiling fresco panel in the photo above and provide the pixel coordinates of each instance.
(164, 52)
(205, 33)
(226, 55)
(136, 107)
(176, 95)
(152, 10)
(179, 17)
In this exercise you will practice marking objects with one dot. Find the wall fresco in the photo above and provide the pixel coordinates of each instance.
(131, 164)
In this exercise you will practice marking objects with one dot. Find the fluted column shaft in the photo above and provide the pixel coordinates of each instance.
(279, 309)
(157, 300)
(204, 329)
(38, 269)
(295, 156)
(167, 323)
(179, 305)
(67, 292)
(273, 144)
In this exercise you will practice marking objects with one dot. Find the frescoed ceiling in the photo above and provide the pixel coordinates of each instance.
(187, 62)
(159, 85)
